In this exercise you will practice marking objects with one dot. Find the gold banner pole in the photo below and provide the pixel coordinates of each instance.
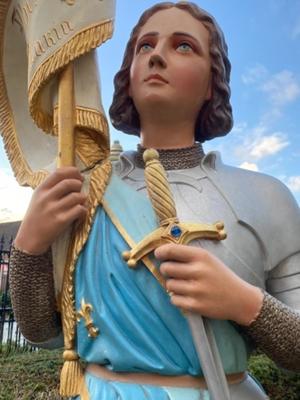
(66, 118)
(71, 374)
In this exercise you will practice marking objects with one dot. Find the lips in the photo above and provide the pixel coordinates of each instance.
(156, 77)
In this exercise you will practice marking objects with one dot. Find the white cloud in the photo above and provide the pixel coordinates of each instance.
(254, 74)
(14, 199)
(294, 183)
(249, 166)
(282, 88)
(267, 145)
(260, 142)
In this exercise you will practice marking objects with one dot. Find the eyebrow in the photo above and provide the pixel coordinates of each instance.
(148, 34)
(174, 34)
(191, 37)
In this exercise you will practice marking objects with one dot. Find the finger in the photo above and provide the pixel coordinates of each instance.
(77, 212)
(65, 187)
(182, 287)
(71, 200)
(61, 174)
(177, 270)
(186, 303)
(179, 253)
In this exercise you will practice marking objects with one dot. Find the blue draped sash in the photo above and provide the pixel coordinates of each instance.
(139, 329)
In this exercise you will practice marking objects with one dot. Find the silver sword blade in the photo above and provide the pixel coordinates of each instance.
(209, 357)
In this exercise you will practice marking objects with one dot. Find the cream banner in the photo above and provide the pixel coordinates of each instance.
(38, 38)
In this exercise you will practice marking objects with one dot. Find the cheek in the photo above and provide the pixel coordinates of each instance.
(194, 80)
(134, 79)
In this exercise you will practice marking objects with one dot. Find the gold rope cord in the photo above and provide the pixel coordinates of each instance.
(22, 171)
(84, 41)
(72, 374)
(158, 187)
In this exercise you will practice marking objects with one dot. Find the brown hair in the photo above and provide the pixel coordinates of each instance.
(215, 116)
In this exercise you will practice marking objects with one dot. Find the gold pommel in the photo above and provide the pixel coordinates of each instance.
(150, 155)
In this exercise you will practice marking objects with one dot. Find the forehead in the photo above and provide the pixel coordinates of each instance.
(166, 22)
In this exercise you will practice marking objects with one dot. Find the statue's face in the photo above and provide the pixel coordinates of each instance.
(171, 65)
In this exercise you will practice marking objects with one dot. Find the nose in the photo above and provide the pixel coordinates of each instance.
(157, 60)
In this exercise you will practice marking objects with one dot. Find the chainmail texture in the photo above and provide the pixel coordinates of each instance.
(171, 159)
(32, 294)
(276, 332)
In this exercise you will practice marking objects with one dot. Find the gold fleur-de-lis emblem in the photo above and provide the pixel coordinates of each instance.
(85, 313)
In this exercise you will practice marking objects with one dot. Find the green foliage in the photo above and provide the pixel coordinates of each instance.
(278, 383)
(35, 376)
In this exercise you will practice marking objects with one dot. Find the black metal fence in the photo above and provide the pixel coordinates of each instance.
(10, 335)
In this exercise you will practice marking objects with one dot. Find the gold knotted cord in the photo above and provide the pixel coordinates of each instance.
(72, 376)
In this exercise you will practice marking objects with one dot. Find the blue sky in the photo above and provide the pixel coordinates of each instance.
(264, 48)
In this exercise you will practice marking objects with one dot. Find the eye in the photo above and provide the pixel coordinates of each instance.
(144, 47)
(184, 47)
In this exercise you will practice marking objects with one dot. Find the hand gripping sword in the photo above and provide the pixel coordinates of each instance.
(171, 230)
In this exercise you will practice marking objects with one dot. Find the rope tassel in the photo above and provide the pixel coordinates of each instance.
(71, 375)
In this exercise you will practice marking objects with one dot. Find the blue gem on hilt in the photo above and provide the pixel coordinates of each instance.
(176, 231)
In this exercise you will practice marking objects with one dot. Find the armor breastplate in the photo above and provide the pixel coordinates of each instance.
(197, 199)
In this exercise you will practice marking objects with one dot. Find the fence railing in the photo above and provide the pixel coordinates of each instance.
(10, 335)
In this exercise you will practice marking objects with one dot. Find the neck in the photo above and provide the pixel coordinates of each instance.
(173, 159)
(167, 136)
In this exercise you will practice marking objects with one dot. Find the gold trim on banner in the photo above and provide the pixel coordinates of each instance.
(22, 171)
(85, 40)
(86, 118)
(91, 128)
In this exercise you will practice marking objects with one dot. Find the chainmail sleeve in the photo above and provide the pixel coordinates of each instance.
(276, 331)
(33, 297)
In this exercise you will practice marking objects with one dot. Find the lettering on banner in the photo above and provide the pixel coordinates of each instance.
(21, 13)
(52, 37)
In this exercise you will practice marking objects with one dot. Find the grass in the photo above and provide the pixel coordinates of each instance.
(35, 376)
(30, 375)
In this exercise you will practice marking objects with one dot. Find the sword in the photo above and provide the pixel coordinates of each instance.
(171, 230)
